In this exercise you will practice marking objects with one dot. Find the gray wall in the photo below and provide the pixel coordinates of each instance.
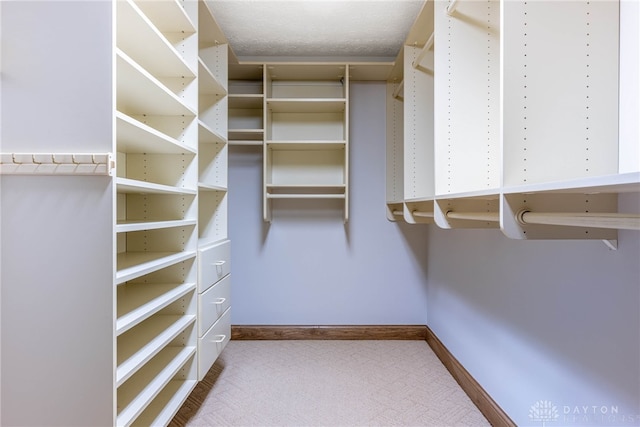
(542, 320)
(308, 267)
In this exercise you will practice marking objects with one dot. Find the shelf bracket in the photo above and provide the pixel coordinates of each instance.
(611, 244)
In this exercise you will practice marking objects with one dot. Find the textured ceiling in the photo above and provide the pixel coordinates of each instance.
(358, 29)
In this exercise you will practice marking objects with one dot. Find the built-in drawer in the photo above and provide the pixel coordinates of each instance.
(213, 342)
(213, 303)
(214, 262)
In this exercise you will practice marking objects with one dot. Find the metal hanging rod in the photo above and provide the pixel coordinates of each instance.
(422, 214)
(474, 216)
(427, 46)
(397, 213)
(581, 219)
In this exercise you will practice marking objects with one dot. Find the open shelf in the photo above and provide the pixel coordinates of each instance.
(137, 393)
(209, 136)
(138, 92)
(132, 225)
(169, 16)
(163, 408)
(139, 301)
(139, 346)
(136, 264)
(209, 84)
(125, 185)
(246, 101)
(139, 38)
(134, 136)
(306, 105)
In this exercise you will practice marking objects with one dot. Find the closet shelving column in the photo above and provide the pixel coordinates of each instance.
(246, 103)
(214, 281)
(306, 146)
(561, 144)
(156, 226)
(410, 125)
(467, 114)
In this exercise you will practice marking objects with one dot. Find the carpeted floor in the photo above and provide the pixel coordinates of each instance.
(328, 383)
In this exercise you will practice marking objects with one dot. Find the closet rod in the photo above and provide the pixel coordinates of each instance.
(581, 219)
(474, 216)
(422, 214)
(396, 92)
(452, 7)
(397, 213)
(423, 52)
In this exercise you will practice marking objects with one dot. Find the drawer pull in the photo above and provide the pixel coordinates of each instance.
(219, 301)
(220, 339)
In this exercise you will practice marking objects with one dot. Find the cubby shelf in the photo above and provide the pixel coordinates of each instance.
(210, 187)
(151, 336)
(209, 84)
(246, 101)
(135, 395)
(139, 301)
(169, 16)
(207, 135)
(136, 264)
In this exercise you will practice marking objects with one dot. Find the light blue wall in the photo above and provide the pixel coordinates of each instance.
(542, 320)
(307, 267)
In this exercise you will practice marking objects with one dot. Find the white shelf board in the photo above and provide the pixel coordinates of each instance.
(126, 185)
(140, 39)
(138, 92)
(134, 398)
(142, 300)
(208, 135)
(306, 105)
(318, 188)
(127, 226)
(134, 136)
(166, 404)
(151, 337)
(209, 187)
(168, 16)
(618, 183)
(305, 196)
(208, 84)
(209, 33)
(306, 145)
(489, 194)
(246, 101)
(136, 264)
(246, 142)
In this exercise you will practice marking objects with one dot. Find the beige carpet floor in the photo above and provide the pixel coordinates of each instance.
(328, 383)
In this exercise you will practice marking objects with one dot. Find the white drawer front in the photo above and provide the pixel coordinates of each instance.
(214, 262)
(213, 303)
(212, 343)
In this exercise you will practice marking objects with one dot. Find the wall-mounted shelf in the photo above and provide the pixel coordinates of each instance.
(538, 156)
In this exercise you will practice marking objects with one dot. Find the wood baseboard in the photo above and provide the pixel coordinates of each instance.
(372, 332)
(489, 408)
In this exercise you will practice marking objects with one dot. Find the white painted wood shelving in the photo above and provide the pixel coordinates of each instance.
(526, 111)
(145, 129)
(306, 149)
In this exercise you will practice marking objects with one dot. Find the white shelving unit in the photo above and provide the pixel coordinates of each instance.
(157, 197)
(526, 121)
(306, 146)
(213, 53)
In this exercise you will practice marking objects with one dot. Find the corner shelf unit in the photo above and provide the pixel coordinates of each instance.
(306, 143)
(525, 136)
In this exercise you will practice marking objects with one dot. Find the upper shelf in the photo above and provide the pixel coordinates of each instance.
(619, 183)
(246, 101)
(136, 137)
(140, 39)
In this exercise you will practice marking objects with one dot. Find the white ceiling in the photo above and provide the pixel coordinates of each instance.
(364, 30)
